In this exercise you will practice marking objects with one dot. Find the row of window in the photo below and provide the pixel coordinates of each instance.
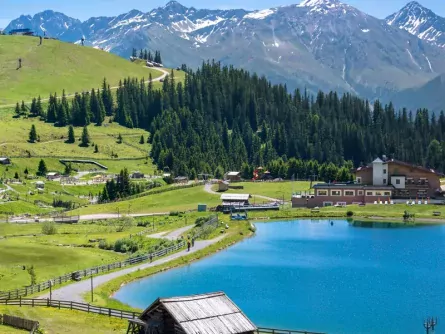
(352, 193)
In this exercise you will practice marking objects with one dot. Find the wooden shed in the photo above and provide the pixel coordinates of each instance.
(199, 314)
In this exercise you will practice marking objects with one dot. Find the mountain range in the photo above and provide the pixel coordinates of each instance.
(316, 44)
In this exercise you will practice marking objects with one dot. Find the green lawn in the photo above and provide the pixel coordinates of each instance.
(49, 261)
(176, 200)
(55, 321)
(278, 190)
(15, 132)
(55, 66)
(72, 247)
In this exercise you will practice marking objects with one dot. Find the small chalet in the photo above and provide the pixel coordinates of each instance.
(233, 176)
(199, 314)
(137, 175)
(40, 185)
(52, 175)
(5, 161)
(181, 179)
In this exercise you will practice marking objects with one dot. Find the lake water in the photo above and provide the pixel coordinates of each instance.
(316, 276)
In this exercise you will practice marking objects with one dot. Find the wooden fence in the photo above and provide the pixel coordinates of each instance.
(64, 304)
(116, 313)
(21, 323)
(77, 275)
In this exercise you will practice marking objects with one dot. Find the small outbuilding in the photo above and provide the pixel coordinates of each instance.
(137, 175)
(52, 175)
(233, 176)
(223, 186)
(199, 314)
(181, 179)
(40, 185)
(5, 161)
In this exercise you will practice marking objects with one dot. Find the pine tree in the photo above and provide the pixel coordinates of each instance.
(39, 108)
(141, 54)
(51, 114)
(16, 176)
(42, 170)
(150, 56)
(33, 134)
(85, 138)
(26, 172)
(134, 53)
(145, 54)
(33, 110)
(23, 107)
(71, 136)
(142, 140)
(96, 149)
(17, 110)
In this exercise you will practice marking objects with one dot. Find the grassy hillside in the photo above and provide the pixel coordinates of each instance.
(55, 65)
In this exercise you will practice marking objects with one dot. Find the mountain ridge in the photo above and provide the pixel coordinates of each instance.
(317, 44)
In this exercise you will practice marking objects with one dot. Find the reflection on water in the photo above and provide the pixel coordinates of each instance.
(382, 224)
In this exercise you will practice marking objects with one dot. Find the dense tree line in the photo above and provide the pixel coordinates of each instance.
(147, 55)
(84, 108)
(120, 188)
(222, 118)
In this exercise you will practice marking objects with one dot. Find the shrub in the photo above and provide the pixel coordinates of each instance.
(124, 223)
(103, 244)
(174, 213)
(126, 246)
(49, 228)
(349, 213)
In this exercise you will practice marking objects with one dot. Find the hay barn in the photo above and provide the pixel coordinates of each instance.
(199, 314)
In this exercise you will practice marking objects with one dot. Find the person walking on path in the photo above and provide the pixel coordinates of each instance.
(188, 246)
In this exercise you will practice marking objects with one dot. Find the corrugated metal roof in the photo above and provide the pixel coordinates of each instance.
(233, 173)
(235, 197)
(212, 313)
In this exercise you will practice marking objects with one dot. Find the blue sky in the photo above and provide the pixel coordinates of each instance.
(83, 9)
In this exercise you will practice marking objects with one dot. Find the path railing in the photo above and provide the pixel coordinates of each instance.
(115, 313)
(64, 304)
(79, 274)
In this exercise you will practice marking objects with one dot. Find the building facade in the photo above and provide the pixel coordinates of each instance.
(382, 181)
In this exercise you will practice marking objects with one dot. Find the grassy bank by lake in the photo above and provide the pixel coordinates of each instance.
(370, 211)
(55, 321)
(103, 295)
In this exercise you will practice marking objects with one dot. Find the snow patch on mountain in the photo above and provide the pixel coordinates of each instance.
(260, 14)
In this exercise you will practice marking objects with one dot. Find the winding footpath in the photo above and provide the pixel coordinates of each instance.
(171, 235)
(75, 291)
(164, 74)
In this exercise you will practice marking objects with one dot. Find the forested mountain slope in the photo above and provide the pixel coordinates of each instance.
(225, 117)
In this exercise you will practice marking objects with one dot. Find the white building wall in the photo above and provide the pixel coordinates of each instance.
(401, 184)
(378, 177)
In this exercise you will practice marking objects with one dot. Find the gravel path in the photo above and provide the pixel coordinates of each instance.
(76, 290)
(171, 235)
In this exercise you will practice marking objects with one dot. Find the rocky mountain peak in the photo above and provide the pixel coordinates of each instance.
(421, 22)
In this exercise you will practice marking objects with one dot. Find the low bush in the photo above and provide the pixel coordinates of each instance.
(49, 228)
(126, 246)
(349, 213)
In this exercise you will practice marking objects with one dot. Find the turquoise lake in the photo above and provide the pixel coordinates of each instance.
(316, 276)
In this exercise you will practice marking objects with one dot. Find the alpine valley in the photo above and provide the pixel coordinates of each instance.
(316, 44)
